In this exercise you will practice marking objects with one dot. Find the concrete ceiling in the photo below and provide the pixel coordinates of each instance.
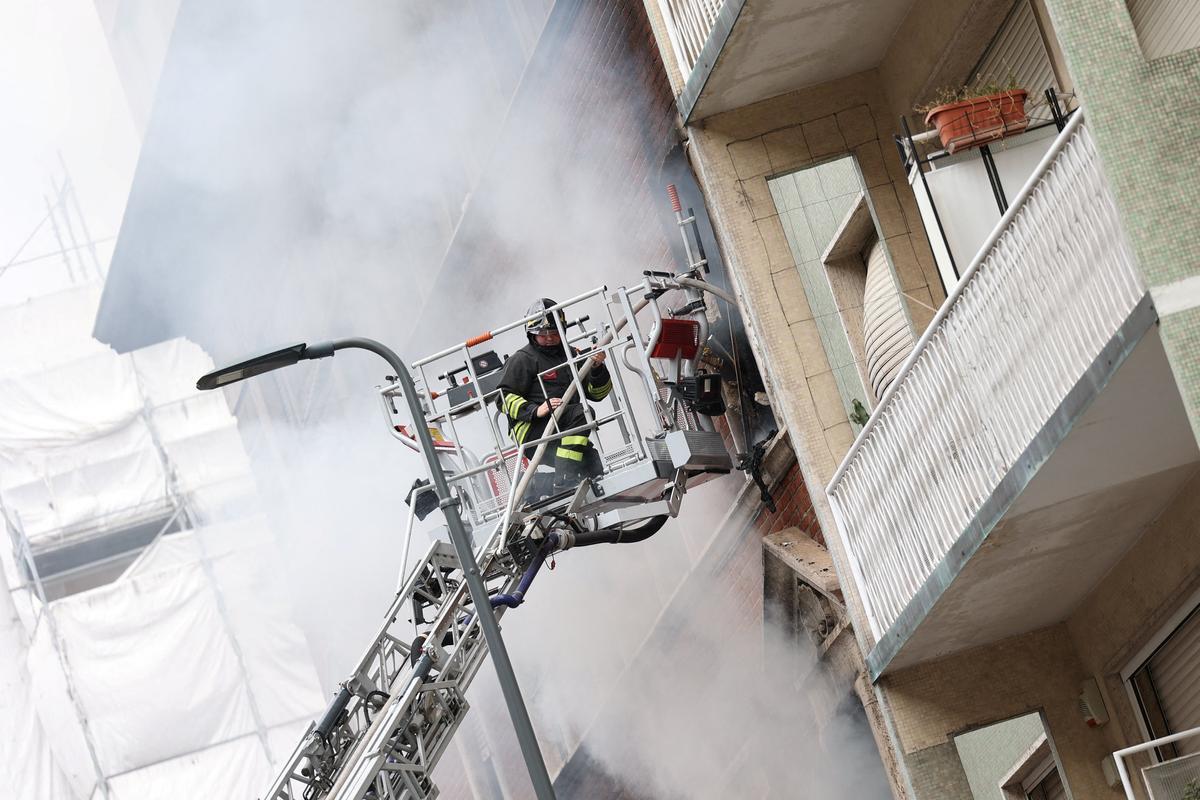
(1118, 468)
(777, 46)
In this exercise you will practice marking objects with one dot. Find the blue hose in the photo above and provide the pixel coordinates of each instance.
(518, 597)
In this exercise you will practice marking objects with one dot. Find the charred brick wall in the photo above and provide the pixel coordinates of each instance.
(793, 506)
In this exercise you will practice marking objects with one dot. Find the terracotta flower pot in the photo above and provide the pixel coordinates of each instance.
(979, 120)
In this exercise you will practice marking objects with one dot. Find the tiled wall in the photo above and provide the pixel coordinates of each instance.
(760, 149)
(990, 753)
(1145, 118)
(741, 150)
(734, 155)
(812, 203)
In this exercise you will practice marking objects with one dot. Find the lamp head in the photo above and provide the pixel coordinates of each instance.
(255, 366)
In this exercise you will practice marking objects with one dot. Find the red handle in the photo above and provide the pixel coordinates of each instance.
(673, 193)
(480, 339)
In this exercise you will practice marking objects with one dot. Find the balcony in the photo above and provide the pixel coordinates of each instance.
(736, 52)
(1029, 438)
(962, 196)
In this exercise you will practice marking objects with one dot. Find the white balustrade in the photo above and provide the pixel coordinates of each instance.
(1172, 778)
(689, 22)
(1049, 289)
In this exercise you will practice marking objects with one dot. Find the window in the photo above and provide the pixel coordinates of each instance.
(1166, 27)
(1167, 687)
(1019, 50)
(1049, 787)
(843, 263)
(1013, 760)
(78, 560)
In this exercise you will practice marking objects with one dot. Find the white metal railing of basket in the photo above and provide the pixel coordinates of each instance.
(1046, 293)
(689, 22)
(1167, 780)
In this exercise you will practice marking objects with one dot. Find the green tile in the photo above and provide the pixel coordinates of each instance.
(851, 388)
(838, 177)
(816, 286)
(823, 224)
(800, 237)
(783, 191)
(809, 186)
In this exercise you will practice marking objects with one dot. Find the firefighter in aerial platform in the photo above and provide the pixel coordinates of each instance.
(529, 409)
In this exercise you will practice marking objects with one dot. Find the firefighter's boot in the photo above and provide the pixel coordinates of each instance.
(567, 474)
(593, 464)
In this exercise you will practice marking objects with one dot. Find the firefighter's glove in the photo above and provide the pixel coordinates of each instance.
(547, 407)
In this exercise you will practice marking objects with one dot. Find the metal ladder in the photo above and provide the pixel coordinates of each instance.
(393, 719)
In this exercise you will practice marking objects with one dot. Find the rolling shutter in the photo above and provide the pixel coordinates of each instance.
(1018, 48)
(887, 337)
(1175, 670)
(1166, 26)
(1052, 788)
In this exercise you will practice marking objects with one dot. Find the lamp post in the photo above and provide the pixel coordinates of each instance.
(449, 505)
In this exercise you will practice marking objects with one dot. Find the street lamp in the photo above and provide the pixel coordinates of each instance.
(288, 356)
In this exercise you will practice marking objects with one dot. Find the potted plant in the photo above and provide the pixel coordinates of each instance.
(973, 115)
(1192, 790)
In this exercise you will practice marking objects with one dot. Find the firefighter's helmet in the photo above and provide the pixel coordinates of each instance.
(544, 323)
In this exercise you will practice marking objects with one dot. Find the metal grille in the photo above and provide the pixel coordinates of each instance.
(493, 506)
(689, 22)
(1049, 289)
(616, 459)
(684, 420)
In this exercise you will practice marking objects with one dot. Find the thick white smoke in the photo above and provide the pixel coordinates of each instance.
(349, 137)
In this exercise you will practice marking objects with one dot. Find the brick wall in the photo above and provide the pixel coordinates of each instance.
(793, 507)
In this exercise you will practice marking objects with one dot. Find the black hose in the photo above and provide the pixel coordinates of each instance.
(621, 535)
(366, 706)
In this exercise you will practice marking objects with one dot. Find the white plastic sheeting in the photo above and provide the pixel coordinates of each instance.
(30, 768)
(99, 437)
(161, 672)
(185, 677)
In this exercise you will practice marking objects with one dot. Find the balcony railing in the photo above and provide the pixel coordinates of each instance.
(1171, 779)
(689, 22)
(1048, 290)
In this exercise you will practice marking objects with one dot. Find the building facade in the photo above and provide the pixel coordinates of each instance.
(983, 361)
(984, 354)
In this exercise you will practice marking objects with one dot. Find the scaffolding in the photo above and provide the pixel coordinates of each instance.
(146, 645)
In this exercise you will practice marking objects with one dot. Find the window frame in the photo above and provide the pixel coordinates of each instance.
(1139, 663)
